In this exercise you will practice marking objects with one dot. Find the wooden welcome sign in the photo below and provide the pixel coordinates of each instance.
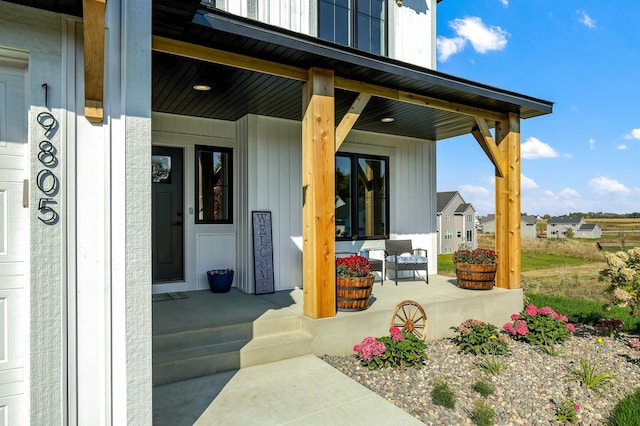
(262, 252)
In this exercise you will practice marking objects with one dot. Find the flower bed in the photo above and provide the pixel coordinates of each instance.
(528, 391)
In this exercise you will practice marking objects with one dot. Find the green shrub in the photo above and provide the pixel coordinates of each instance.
(627, 411)
(484, 387)
(483, 414)
(490, 364)
(399, 349)
(480, 338)
(443, 395)
(590, 374)
(541, 327)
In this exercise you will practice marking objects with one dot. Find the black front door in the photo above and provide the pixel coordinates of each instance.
(167, 214)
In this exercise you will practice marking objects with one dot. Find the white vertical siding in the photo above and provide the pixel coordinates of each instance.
(274, 183)
(186, 132)
(412, 32)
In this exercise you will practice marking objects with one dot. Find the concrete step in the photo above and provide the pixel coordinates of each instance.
(170, 367)
(194, 353)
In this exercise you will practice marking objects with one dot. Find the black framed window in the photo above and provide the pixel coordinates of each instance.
(214, 189)
(356, 23)
(362, 202)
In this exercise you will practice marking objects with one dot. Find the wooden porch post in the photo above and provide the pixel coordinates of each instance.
(508, 233)
(318, 195)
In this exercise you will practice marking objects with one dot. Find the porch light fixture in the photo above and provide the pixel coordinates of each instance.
(388, 119)
(399, 3)
(202, 87)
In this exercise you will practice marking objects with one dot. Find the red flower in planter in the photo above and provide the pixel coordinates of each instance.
(353, 267)
(479, 256)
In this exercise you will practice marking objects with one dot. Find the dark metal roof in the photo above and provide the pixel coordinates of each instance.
(238, 92)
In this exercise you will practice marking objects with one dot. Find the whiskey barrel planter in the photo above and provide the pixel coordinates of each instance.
(474, 276)
(352, 294)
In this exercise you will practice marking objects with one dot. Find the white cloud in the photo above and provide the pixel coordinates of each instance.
(534, 148)
(592, 143)
(527, 183)
(634, 134)
(539, 201)
(621, 147)
(586, 19)
(481, 198)
(604, 185)
(449, 46)
(505, 3)
(483, 38)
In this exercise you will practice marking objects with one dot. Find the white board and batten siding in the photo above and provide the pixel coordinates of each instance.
(207, 246)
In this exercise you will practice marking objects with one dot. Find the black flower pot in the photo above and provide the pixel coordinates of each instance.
(220, 282)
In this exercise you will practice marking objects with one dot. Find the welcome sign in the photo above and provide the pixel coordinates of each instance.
(262, 252)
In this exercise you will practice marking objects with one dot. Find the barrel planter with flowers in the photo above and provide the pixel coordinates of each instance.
(476, 269)
(354, 283)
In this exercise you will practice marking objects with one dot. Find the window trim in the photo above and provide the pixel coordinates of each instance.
(354, 196)
(211, 148)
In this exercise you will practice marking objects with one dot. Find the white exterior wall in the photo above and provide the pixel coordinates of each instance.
(38, 36)
(89, 355)
(207, 246)
(412, 27)
(412, 32)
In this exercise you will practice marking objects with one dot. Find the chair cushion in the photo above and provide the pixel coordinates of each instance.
(407, 259)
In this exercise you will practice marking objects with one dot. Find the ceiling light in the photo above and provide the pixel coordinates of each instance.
(388, 120)
(202, 87)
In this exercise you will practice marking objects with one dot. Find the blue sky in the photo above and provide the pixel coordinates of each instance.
(584, 55)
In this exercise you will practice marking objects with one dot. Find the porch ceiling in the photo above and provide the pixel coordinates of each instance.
(237, 92)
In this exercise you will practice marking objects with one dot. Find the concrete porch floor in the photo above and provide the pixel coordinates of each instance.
(445, 304)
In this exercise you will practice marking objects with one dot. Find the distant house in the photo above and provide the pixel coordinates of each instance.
(455, 222)
(557, 227)
(527, 225)
(589, 230)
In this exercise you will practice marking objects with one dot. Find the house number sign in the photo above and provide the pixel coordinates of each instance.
(46, 180)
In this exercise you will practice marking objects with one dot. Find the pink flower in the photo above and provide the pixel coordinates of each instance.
(555, 315)
(398, 337)
(371, 347)
(515, 317)
(520, 328)
(394, 330)
(635, 345)
(357, 348)
(531, 310)
(576, 407)
(564, 318)
(508, 326)
(571, 327)
(546, 311)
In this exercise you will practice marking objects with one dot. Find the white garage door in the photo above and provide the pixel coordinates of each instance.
(14, 240)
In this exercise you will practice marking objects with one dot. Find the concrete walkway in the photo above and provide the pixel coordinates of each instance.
(297, 391)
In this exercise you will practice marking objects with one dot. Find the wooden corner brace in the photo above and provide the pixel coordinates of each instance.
(483, 135)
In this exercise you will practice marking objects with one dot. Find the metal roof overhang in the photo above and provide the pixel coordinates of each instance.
(237, 92)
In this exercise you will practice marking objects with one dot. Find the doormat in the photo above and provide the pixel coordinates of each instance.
(168, 296)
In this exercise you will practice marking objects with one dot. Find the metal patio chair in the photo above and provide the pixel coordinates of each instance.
(401, 256)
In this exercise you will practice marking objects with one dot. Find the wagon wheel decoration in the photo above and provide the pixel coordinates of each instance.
(410, 317)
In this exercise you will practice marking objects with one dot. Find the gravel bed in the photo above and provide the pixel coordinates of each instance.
(528, 390)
